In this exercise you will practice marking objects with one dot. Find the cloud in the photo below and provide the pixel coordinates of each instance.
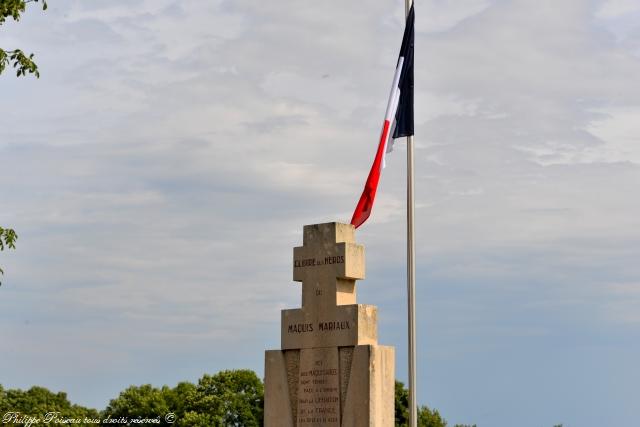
(161, 170)
(617, 8)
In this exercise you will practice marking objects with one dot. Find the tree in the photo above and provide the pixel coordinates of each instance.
(138, 402)
(229, 398)
(148, 402)
(401, 404)
(430, 418)
(8, 239)
(426, 416)
(37, 402)
(176, 398)
(21, 62)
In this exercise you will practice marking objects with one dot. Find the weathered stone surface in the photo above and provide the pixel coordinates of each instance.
(278, 411)
(371, 382)
(330, 371)
(292, 361)
(345, 354)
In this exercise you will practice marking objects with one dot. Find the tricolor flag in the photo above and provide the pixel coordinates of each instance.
(398, 120)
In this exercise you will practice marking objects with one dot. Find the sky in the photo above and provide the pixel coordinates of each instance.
(160, 171)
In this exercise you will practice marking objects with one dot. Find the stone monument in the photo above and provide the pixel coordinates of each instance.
(330, 370)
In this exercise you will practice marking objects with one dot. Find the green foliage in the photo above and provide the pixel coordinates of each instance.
(401, 404)
(229, 398)
(176, 398)
(426, 416)
(8, 239)
(24, 65)
(38, 401)
(22, 62)
(15, 8)
(146, 401)
(143, 401)
(430, 418)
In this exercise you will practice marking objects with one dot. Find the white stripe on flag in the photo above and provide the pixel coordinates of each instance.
(391, 112)
(392, 106)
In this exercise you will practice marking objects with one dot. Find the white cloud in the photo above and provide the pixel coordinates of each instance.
(620, 131)
(163, 166)
(442, 15)
(616, 8)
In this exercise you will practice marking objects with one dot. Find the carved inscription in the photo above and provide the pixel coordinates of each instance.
(316, 262)
(333, 325)
(319, 388)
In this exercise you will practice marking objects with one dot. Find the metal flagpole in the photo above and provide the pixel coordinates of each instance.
(411, 279)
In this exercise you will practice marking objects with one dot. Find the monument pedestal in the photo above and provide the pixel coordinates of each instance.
(330, 371)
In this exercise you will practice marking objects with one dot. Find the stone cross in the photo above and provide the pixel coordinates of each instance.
(328, 264)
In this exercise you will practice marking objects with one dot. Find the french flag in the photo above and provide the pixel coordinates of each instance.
(398, 120)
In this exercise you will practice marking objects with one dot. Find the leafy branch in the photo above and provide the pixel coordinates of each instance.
(21, 62)
(15, 8)
(8, 239)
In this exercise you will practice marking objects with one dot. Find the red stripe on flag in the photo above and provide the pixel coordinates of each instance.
(365, 204)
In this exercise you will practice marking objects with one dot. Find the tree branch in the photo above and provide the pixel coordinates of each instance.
(14, 8)
(24, 64)
(8, 239)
